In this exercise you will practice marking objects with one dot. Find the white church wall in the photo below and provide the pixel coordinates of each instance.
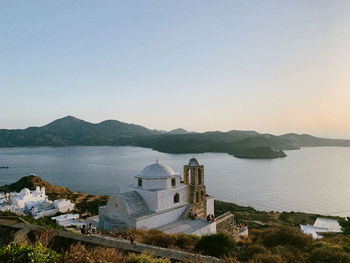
(115, 214)
(159, 219)
(150, 198)
(166, 197)
(178, 181)
(210, 205)
(206, 230)
(157, 184)
(154, 184)
(101, 214)
(162, 199)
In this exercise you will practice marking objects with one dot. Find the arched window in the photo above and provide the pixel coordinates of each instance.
(176, 198)
(139, 182)
(197, 197)
(199, 176)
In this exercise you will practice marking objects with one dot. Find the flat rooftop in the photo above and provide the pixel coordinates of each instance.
(186, 226)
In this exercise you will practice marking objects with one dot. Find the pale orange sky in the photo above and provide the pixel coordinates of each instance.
(270, 66)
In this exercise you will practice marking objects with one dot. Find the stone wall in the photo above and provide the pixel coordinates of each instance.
(121, 244)
(226, 223)
(194, 176)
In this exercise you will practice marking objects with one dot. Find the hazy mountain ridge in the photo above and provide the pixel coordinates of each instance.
(70, 131)
(179, 131)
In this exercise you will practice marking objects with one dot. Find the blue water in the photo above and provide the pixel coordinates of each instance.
(315, 180)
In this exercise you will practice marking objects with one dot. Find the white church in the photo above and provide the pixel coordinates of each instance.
(159, 198)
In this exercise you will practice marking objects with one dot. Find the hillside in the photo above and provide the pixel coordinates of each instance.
(179, 131)
(70, 131)
(273, 236)
(84, 203)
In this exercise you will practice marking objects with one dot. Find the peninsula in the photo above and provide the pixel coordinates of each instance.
(70, 131)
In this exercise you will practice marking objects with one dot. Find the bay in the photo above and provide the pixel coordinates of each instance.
(313, 180)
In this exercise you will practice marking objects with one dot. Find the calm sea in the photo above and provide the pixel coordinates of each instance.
(315, 180)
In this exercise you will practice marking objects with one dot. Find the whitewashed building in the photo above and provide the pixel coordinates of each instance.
(321, 225)
(63, 205)
(158, 198)
(25, 196)
(35, 203)
(68, 220)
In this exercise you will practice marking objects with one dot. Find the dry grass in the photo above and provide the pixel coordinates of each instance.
(45, 236)
(158, 238)
(80, 254)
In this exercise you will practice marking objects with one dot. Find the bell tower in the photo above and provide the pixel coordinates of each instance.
(194, 177)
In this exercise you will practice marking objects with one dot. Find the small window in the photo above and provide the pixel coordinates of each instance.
(199, 177)
(173, 182)
(197, 197)
(202, 195)
(176, 198)
(139, 183)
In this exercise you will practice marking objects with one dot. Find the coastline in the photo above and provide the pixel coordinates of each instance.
(87, 205)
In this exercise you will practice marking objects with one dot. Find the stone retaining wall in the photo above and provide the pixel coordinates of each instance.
(226, 223)
(121, 244)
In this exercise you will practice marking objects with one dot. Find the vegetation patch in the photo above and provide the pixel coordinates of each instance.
(217, 245)
(16, 253)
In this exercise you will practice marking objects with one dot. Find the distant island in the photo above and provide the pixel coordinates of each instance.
(70, 131)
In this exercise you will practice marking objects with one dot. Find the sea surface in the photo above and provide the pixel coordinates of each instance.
(314, 180)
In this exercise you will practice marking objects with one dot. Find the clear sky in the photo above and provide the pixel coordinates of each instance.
(271, 66)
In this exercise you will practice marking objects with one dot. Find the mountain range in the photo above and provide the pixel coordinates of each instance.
(70, 131)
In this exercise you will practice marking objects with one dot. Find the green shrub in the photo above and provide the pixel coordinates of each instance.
(20, 253)
(329, 255)
(346, 248)
(43, 221)
(216, 245)
(345, 225)
(6, 235)
(145, 258)
(286, 236)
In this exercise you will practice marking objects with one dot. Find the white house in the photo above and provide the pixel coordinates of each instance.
(63, 205)
(158, 198)
(25, 196)
(68, 220)
(321, 225)
(34, 202)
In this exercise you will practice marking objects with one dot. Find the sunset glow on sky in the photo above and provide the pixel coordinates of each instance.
(269, 66)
